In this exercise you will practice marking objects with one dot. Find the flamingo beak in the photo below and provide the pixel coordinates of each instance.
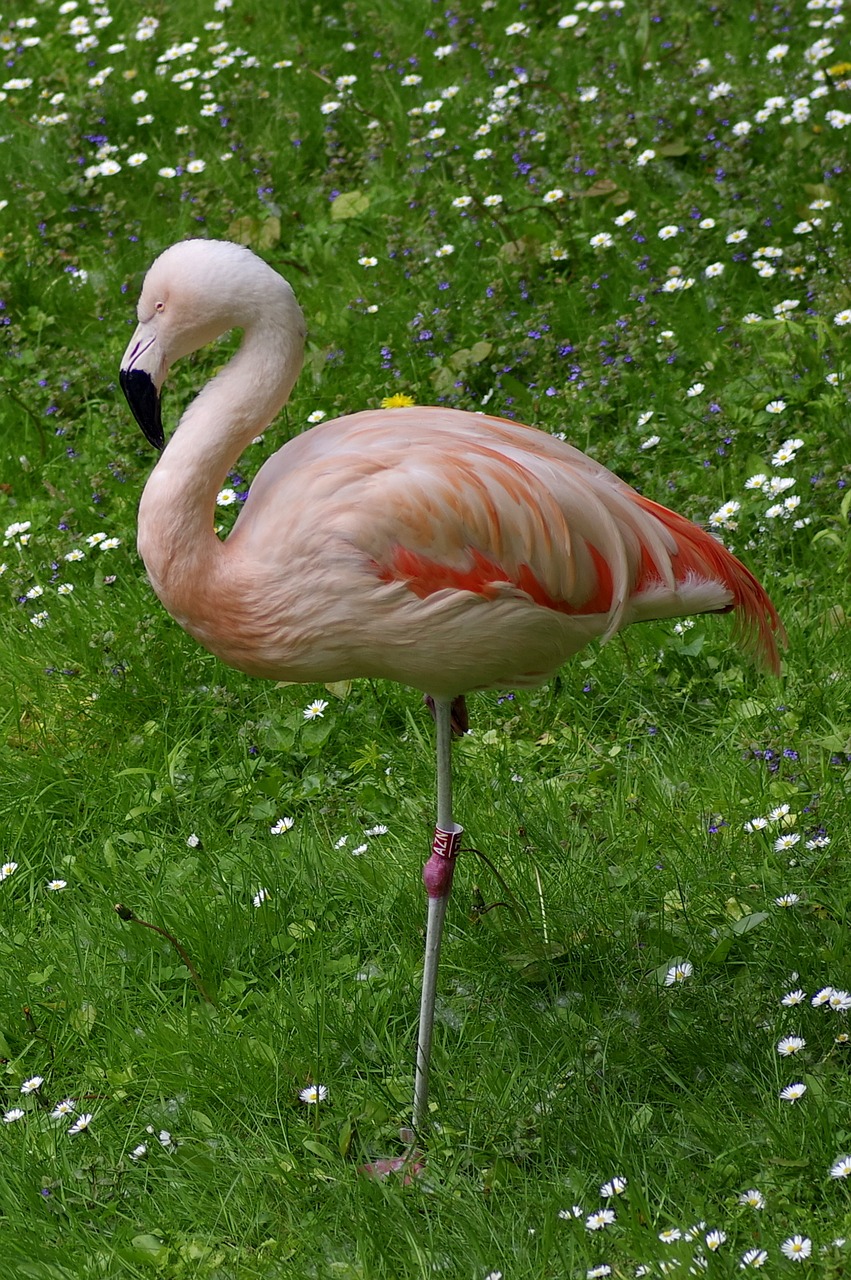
(141, 376)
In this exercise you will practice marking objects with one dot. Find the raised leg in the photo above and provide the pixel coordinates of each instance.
(437, 877)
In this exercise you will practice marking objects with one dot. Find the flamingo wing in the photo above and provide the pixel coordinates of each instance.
(438, 501)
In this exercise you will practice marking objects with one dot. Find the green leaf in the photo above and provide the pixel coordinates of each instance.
(719, 953)
(39, 977)
(747, 923)
(344, 1137)
(151, 1248)
(83, 1019)
(315, 733)
(203, 1123)
(319, 1149)
(749, 708)
(642, 1119)
(349, 205)
(256, 232)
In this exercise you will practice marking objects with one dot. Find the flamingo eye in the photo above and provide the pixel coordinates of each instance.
(160, 306)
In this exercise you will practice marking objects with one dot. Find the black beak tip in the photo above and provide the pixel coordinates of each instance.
(144, 401)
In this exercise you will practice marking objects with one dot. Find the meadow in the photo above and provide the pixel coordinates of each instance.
(622, 223)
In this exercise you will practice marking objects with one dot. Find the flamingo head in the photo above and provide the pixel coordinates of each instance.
(195, 291)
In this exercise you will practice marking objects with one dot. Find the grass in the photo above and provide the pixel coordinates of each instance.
(610, 996)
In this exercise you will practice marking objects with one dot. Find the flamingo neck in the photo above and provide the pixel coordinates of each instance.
(176, 536)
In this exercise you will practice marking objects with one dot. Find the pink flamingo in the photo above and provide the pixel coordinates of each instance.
(446, 550)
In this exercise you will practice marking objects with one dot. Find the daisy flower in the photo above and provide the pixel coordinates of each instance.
(724, 517)
(314, 1093)
(63, 1109)
(315, 710)
(282, 825)
(753, 1198)
(790, 1045)
(797, 1248)
(841, 1168)
(32, 1085)
(754, 1258)
(81, 1124)
(793, 1092)
(597, 1221)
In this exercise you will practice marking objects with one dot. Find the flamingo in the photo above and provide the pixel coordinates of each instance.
(446, 550)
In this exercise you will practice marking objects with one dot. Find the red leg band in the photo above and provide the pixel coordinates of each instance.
(438, 871)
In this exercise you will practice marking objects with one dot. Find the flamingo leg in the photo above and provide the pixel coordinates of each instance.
(437, 877)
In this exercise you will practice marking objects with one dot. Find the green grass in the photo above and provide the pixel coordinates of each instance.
(610, 805)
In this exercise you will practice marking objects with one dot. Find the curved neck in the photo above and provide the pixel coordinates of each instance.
(176, 537)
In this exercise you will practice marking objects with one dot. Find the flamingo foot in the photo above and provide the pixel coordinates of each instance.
(409, 1166)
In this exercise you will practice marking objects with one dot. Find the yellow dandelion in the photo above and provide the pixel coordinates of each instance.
(399, 401)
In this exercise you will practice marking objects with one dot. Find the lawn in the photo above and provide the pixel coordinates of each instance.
(627, 227)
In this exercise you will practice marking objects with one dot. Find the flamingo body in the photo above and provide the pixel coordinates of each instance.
(446, 550)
